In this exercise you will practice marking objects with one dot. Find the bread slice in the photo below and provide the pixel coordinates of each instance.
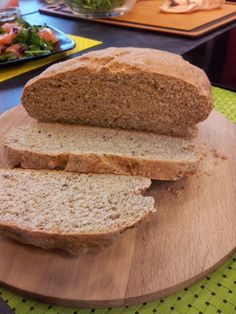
(129, 88)
(71, 211)
(100, 150)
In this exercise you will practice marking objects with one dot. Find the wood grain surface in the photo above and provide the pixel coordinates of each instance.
(192, 233)
(146, 15)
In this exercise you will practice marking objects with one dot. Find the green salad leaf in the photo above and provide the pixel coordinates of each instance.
(30, 41)
(31, 38)
(7, 57)
(31, 53)
(20, 21)
(96, 5)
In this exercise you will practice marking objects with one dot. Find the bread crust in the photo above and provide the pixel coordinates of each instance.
(132, 60)
(73, 243)
(102, 163)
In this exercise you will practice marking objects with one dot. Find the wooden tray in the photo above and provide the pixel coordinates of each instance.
(146, 15)
(192, 233)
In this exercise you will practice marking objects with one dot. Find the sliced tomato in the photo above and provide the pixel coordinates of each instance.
(2, 48)
(8, 27)
(47, 34)
(12, 4)
(16, 49)
(7, 39)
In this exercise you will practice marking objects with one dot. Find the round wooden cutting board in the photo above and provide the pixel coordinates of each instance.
(191, 234)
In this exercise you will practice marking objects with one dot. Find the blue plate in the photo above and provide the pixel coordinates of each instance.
(65, 43)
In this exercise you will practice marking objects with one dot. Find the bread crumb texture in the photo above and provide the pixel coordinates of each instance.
(130, 88)
(60, 138)
(71, 203)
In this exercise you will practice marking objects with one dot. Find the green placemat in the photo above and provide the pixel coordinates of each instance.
(214, 294)
(225, 101)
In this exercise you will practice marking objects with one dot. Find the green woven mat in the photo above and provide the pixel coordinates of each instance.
(225, 101)
(212, 295)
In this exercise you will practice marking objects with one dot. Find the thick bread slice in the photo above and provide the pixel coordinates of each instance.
(75, 212)
(130, 88)
(99, 150)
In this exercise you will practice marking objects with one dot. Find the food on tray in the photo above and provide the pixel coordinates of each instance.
(101, 150)
(95, 5)
(188, 6)
(71, 211)
(128, 88)
(19, 39)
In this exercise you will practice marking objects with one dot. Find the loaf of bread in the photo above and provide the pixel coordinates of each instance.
(128, 88)
(71, 211)
(100, 150)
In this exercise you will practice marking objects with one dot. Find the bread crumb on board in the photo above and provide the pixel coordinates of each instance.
(208, 155)
(218, 155)
(207, 173)
(205, 151)
(170, 188)
(175, 190)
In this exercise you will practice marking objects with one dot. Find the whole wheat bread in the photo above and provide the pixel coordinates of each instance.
(99, 150)
(130, 88)
(74, 212)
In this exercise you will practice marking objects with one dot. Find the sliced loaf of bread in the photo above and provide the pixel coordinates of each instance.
(99, 150)
(130, 88)
(71, 211)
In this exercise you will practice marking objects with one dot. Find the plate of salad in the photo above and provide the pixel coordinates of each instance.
(21, 42)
